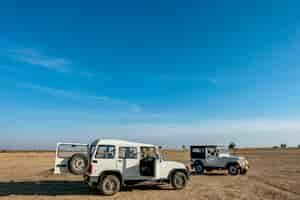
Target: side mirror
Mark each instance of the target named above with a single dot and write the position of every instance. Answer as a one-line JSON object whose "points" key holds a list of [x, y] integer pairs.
{"points": [[157, 157]]}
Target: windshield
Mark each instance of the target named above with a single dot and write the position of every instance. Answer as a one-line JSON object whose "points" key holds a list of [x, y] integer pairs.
{"points": [[66, 150], [222, 151], [149, 152], [92, 150], [161, 155]]}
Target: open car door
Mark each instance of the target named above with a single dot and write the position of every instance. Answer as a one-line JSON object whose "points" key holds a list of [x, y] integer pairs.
{"points": [[71, 157]]}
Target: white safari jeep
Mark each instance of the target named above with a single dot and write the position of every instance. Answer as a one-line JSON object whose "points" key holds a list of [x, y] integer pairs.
{"points": [[115, 163]]}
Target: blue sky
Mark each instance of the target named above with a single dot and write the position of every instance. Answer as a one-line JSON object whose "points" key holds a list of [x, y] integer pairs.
{"points": [[165, 72]]}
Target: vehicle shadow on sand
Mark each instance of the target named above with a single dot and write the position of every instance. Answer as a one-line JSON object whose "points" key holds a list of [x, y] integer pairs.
{"points": [[53, 188], [210, 174], [43, 188]]}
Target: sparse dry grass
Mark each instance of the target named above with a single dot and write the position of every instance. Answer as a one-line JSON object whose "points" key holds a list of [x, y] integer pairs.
{"points": [[274, 174]]}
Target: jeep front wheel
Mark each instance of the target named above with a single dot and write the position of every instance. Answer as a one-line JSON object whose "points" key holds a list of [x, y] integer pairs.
{"points": [[243, 172], [109, 185], [233, 170], [178, 180]]}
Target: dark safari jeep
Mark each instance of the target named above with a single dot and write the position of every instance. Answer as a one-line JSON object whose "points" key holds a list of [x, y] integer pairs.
{"points": [[213, 157]]}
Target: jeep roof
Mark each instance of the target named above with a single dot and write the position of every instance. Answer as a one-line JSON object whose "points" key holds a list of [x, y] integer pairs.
{"points": [[120, 143], [207, 146]]}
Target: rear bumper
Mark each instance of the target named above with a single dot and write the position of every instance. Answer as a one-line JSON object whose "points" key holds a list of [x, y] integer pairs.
{"points": [[86, 179]]}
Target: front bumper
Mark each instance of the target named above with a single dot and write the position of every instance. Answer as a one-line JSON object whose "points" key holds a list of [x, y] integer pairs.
{"points": [[245, 167]]}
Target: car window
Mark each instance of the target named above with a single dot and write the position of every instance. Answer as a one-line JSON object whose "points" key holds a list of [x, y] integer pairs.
{"points": [[67, 150], [128, 152], [211, 152], [105, 151], [198, 152], [148, 152]]}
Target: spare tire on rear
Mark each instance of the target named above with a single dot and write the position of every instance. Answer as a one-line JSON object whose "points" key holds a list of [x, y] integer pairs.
{"points": [[78, 164]]}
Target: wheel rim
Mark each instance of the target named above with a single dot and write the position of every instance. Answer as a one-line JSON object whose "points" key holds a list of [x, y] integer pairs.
{"points": [[110, 186], [233, 170], [179, 180], [199, 168], [79, 164]]}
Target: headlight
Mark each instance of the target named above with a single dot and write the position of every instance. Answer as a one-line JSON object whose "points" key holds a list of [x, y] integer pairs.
{"points": [[242, 162]]}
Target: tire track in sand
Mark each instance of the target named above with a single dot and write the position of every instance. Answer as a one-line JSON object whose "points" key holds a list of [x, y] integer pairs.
{"points": [[275, 187]]}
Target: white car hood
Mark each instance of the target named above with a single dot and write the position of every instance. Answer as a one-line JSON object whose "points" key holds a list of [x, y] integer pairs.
{"points": [[173, 164], [231, 156]]}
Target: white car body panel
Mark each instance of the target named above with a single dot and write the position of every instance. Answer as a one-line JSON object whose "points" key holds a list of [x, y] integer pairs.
{"points": [[61, 163], [165, 167]]}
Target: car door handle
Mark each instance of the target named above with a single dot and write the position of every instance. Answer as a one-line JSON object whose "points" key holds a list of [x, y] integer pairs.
{"points": [[61, 165]]}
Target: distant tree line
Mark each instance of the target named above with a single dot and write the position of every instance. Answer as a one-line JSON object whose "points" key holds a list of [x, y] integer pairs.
{"points": [[231, 146], [283, 146]]}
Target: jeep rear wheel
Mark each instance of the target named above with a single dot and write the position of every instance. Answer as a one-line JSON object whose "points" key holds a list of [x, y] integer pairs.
{"points": [[199, 168], [178, 180], [109, 185], [233, 170]]}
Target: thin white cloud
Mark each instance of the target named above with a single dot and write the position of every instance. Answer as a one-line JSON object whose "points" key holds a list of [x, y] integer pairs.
{"points": [[146, 128], [81, 97], [36, 58], [179, 78], [216, 127], [245, 132]]}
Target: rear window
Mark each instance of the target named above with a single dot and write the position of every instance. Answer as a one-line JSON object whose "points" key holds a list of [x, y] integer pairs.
{"points": [[105, 152], [198, 152], [67, 150]]}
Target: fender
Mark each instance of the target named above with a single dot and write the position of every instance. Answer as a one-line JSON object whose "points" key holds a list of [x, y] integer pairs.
{"points": [[197, 162], [178, 170], [111, 172], [232, 163]]}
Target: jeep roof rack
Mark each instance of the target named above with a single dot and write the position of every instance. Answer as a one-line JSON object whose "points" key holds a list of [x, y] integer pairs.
{"points": [[203, 146]]}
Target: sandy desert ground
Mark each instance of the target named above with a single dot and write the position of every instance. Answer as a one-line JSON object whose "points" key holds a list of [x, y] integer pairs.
{"points": [[274, 174]]}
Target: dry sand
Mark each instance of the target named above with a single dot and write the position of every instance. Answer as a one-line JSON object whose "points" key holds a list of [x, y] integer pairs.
{"points": [[274, 174]]}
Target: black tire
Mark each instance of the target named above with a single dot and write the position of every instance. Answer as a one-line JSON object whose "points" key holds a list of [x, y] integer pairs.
{"points": [[178, 180], [78, 164], [244, 172], [109, 185], [234, 170], [199, 168]]}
